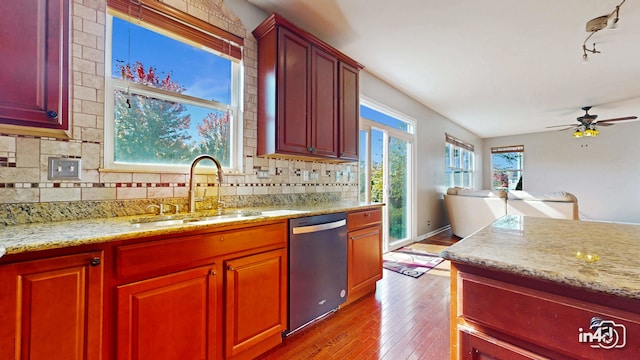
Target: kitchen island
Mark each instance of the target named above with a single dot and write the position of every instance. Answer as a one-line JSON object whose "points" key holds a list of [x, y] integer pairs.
{"points": [[536, 288]]}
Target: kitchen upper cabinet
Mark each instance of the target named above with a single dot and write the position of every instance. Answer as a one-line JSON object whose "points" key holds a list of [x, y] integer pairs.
{"points": [[324, 104], [169, 317], [308, 96], [52, 308], [349, 112], [35, 63], [255, 303]]}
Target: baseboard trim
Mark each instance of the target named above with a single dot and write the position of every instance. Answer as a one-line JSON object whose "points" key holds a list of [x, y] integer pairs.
{"points": [[433, 233]]}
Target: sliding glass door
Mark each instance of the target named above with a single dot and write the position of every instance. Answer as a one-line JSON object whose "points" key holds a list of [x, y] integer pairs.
{"points": [[385, 172]]}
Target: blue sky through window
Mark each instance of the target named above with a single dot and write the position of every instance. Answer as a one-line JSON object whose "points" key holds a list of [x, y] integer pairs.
{"points": [[202, 73]]}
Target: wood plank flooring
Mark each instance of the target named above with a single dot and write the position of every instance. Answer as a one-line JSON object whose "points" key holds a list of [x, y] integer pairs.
{"points": [[406, 318]]}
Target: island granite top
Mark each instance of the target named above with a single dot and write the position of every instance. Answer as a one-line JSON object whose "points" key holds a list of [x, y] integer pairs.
{"points": [[16, 239], [596, 256]]}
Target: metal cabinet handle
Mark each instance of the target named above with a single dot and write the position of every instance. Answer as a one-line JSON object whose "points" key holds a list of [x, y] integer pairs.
{"points": [[52, 114], [230, 268], [367, 214], [95, 261]]}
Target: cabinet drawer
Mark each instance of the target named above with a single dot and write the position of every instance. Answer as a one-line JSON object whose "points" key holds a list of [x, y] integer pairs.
{"points": [[550, 321], [182, 252], [360, 219]]}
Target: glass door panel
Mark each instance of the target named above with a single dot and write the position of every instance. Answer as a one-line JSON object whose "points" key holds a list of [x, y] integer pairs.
{"points": [[398, 199]]}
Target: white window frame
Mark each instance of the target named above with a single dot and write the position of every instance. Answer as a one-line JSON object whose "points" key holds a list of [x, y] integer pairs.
{"points": [[236, 109], [519, 166], [463, 148]]}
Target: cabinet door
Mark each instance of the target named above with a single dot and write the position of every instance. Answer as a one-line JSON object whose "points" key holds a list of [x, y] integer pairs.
{"points": [[52, 309], [169, 317], [365, 257], [255, 300], [293, 114], [35, 66], [478, 346], [324, 104], [349, 95]]}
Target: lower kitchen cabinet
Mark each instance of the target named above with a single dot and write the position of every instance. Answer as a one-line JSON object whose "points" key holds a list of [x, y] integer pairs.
{"points": [[52, 308], [478, 346], [206, 295], [364, 239], [255, 303], [497, 316], [169, 317]]}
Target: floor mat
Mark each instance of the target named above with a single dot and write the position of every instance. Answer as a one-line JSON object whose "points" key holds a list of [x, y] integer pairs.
{"points": [[410, 262]]}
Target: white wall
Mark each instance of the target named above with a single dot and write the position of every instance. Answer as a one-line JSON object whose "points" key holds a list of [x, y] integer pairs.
{"points": [[602, 172]]}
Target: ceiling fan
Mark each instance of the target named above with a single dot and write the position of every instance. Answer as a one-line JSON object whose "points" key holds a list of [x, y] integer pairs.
{"points": [[587, 124]]}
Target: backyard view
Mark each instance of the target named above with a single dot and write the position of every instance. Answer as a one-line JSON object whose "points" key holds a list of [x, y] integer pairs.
{"points": [[171, 100], [390, 152]]}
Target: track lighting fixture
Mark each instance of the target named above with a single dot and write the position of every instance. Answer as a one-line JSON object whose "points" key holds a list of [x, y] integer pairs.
{"points": [[596, 24]]}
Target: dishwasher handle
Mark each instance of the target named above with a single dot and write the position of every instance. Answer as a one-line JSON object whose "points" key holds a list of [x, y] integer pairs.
{"points": [[319, 227]]}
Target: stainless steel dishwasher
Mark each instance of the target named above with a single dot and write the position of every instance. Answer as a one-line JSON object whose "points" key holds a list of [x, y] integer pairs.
{"points": [[317, 267]]}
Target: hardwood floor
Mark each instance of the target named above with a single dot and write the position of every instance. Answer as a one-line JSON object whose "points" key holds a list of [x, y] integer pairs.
{"points": [[406, 318]]}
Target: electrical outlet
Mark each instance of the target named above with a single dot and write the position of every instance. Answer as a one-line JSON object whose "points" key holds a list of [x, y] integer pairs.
{"points": [[305, 175], [314, 176], [64, 169], [263, 174]]}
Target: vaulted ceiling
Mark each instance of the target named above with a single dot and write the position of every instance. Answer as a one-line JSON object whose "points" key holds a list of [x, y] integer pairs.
{"points": [[495, 67]]}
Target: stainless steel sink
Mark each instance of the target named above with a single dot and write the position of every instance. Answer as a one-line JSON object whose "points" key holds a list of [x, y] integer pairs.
{"points": [[156, 223], [193, 218], [208, 218]]}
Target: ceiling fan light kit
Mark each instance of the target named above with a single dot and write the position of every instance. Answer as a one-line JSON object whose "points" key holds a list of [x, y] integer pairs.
{"points": [[587, 124], [596, 24]]}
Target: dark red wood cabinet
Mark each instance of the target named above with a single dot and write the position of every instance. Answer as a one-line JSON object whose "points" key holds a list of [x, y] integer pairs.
{"points": [[52, 308], [364, 252], [495, 315], [34, 62], [308, 100]]}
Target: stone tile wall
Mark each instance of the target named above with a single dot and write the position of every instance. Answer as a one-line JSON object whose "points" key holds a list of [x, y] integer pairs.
{"points": [[23, 159]]}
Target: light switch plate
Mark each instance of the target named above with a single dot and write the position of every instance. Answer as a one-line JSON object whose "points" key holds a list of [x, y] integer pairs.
{"points": [[64, 169], [262, 174]]}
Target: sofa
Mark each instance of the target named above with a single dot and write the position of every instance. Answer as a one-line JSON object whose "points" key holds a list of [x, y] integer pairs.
{"points": [[471, 210]]}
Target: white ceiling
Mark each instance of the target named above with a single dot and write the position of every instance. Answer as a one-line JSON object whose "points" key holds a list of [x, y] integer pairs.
{"points": [[495, 67]]}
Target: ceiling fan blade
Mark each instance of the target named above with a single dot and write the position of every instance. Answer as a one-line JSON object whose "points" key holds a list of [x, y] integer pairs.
{"points": [[617, 119], [571, 125]]}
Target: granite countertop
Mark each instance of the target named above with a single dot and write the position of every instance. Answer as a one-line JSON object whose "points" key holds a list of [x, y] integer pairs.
{"points": [[16, 239], [596, 256]]}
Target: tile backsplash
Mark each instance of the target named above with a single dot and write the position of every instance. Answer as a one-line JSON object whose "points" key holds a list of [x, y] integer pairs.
{"points": [[25, 188]]}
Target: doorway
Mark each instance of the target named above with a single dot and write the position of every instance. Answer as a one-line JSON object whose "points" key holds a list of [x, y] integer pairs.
{"points": [[386, 144]]}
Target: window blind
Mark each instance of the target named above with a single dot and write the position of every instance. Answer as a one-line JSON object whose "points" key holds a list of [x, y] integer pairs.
{"points": [[507, 149], [168, 18], [457, 142]]}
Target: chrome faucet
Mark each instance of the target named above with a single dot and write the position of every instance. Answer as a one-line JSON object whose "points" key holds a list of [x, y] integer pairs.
{"points": [[192, 190]]}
